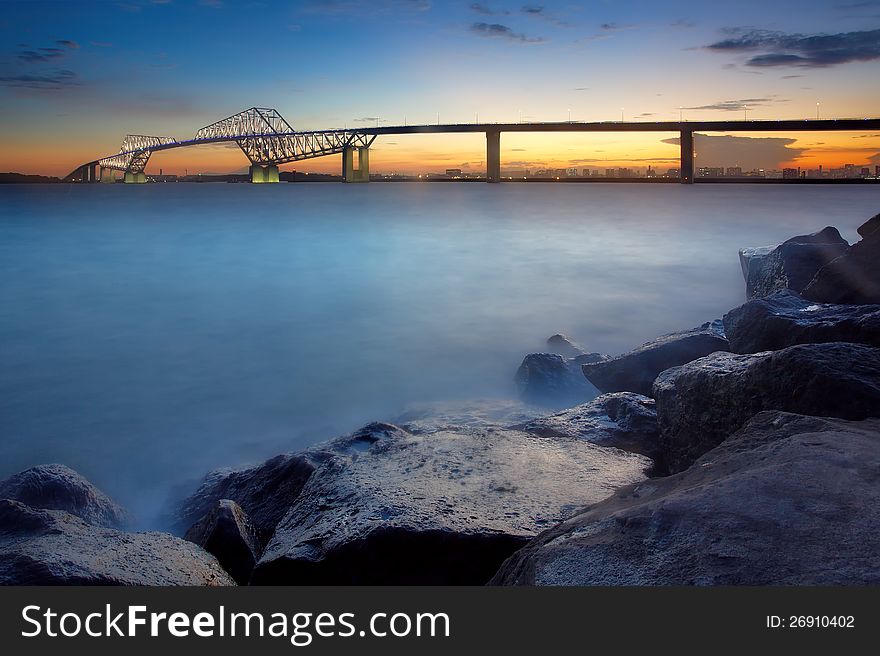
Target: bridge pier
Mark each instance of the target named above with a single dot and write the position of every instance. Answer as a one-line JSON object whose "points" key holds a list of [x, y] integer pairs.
{"points": [[362, 172], [108, 175], [493, 156], [135, 178], [687, 156], [261, 174]]}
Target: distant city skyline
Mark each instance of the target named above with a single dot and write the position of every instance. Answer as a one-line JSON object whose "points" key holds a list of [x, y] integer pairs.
{"points": [[76, 78]]}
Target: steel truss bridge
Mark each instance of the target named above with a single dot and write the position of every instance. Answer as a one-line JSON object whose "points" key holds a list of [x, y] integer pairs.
{"points": [[268, 140]]}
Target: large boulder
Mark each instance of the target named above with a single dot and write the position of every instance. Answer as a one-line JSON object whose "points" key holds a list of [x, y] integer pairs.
{"points": [[623, 420], [784, 319], [699, 404], [54, 547], [853, 277], [56, 487], [227, 533], [788, 500], [635, 371], [564, 346], [265, 492], [792, 264], [442, 508], [551, 380], [465, 415]]}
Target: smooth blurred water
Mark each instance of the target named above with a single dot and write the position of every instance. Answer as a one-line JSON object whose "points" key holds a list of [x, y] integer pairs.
{"points": [[149, 333]]}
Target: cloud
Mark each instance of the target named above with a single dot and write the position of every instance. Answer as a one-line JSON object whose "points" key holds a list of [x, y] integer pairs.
{"points": [[52, 81], [737, 105], [803, 50], [67, 43], [488, 11], [366, 119], [790, 77], [40, 55], [496, 30], [582, 88], [747, 152], [532, 9], [101, 44], [682, 22]]}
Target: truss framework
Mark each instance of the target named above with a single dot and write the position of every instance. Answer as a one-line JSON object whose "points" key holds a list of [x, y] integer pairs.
{"points": [[262, 133]]}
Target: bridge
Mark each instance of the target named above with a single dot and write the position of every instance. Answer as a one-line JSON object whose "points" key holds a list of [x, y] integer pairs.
{"points": [[268, 140]]}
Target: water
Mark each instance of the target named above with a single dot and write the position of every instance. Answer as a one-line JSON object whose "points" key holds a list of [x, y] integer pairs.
{"points": [[150, 333]]}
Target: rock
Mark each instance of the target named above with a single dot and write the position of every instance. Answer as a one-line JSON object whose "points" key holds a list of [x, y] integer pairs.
{"points": [[699, 404], [854, 277], [562, 345], [784, 319], [265, 492], [54, 547], [623, 420], [870, 228], [549, 379], [788, 500], [228, 534], [56, 487], [792, 264], [465, 415], [635, 371], [440, 508]]}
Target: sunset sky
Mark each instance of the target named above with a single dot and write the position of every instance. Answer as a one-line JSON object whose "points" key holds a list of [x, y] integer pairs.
{"points": [[76, 77]]}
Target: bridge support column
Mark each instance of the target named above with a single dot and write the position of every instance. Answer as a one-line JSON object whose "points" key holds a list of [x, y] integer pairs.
{"points": [[261, 174], [493, 157], [108, 175], [687, 156], [362, 172], [135, 178]]}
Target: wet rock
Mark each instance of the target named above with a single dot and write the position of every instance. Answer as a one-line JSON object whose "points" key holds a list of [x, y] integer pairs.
{"points": [[465, 415], [788, 500], [699, 404], [854, 277], [227, 533], [549, 379], [56, 487], [564, 346], [623, 420], [784, 319], [792, 264], [440, 508], [265, 492], [635, 371], [54, 547]]}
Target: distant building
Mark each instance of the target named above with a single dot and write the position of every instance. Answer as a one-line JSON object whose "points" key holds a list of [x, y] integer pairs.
{"points": [[625, 173], [571, 173], [866, 172], [673, 173], [453, 173], [788, 174], [877, 171], [734, 172], [710, 172], [650, 173]]}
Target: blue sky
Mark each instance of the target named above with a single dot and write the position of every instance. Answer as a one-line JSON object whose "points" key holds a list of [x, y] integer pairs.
{"points": [[75, 77]]}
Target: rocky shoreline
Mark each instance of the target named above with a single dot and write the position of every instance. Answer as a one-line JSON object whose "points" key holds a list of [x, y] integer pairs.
{"points": [[742, 451]]}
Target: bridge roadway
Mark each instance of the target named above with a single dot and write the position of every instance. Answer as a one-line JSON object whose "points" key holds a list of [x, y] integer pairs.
{"points": [[345, 141]]}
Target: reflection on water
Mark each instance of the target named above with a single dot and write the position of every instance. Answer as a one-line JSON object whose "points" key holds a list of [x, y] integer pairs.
{"points": [[149, 333]]}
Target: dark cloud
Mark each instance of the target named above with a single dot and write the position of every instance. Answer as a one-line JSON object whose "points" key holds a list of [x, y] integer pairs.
{"points": [[747, 152], [737, 105], [366, 119], [582, 88], [811, 51], [532, 9], [790, 77], [496, 30], [488, 11], [52, 81], [67, 43], [40, 55], [609, 26]]}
